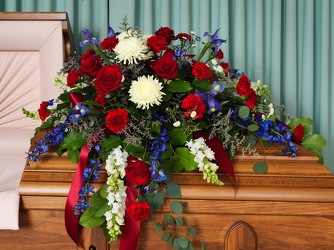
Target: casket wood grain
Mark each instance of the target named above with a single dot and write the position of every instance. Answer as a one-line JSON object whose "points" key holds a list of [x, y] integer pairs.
{"points": [[289, 207]]}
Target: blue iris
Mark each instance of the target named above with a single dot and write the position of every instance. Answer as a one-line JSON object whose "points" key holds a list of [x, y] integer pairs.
{"points": [[78, 111], [89, 38], [215, 41]]}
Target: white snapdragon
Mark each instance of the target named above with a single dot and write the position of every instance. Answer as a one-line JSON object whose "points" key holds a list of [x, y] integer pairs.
{"points": [[116, 191], [203, 156]]}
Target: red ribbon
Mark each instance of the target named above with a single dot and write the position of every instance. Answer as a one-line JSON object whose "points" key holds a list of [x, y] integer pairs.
{"points": [[130, 229], [71, 221], [222, 158], [76, 98]]}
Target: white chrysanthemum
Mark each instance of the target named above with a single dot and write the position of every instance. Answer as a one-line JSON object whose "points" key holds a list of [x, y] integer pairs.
{"points": [[130, 49], [146, 92]]}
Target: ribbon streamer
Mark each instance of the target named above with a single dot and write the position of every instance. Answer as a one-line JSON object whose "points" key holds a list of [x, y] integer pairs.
{"points": [[130, 229], [71, 221]]}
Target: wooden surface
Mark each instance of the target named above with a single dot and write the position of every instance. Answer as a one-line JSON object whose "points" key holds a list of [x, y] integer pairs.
{"points": [[290, 207]]}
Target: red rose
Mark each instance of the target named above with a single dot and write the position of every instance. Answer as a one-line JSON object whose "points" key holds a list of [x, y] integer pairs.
{"points": [[157, 43], [251, 99], [165, 67], [184, 36], [243, 86], [109, 43], [72, 78], [298, 133], [91, 66], [201, 70], [194, 106], [166, 32], [137, 172], [87, 54], [116, 120], [220, 54], [108, 79], [42, 111], [138, 211]]}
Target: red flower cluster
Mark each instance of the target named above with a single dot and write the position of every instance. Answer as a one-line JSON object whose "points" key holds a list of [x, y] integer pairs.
{"points": [[108, 79], [244, 89], [194, 106], [116, 120], [137, 172], [184, 36], [157, 43], [109, 43], [166, 32], [165, 67], [298, 133], [72, 78], [42, 111], [138, 211], [90, 63], [201, 70]]}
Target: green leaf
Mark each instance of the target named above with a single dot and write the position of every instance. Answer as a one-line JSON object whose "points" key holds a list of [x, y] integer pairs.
{"points": [[137, 151], [191, 247], [244, 112], [177, 136], [181, 242], [90, 221], [158, 199], [203, 246], [169, 220], [165, 236], [253, 127], [305, 121], [103, 191], [168, 175], [173, 190], [202, 85], [179, 86], [185, 159], [98, 205], [73, 140], [158, 226], [179, 221], [73, 155], [177, 207], [314, 142], [192, 231], [170, 241], [172, 164], [260, 167], [250, 140], [111, 142]]}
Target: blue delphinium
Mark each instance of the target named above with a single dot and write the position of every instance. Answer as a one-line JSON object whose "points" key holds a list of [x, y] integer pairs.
{"points": [[55, 137], [89, 175]]}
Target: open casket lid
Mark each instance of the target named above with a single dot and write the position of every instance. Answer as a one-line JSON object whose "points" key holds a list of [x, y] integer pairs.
{"points": [[33, 47]]}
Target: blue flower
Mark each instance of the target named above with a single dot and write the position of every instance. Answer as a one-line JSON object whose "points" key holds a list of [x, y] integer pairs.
{"points": [[78, 111], [89, 38], [215, 41]]}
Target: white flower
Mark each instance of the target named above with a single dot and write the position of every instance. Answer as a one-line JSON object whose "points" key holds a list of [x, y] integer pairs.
{"points": [[131, 48], [177, 124], [271, 109], [146, 92]]}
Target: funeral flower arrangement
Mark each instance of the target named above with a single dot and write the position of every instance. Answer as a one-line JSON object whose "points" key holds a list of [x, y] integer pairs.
{"points": [[144, 106]]}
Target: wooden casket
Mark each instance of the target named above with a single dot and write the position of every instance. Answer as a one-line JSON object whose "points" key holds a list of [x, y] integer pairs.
{"points": [[289, 207]]}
